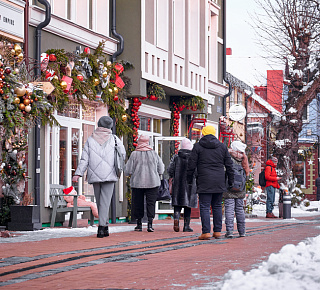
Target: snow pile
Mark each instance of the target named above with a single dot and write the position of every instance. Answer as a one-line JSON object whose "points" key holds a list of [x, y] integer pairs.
{"points": [[294, 267]]}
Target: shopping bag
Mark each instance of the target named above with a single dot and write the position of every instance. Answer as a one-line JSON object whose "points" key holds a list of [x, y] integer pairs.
{"points": [[164, 193]]}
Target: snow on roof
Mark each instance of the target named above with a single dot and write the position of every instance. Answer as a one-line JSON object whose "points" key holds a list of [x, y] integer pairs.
{"points": [[265, 104]]}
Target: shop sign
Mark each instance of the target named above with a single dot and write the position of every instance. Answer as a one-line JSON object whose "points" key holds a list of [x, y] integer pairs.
{"points": [[11, 20], [237, 112]]}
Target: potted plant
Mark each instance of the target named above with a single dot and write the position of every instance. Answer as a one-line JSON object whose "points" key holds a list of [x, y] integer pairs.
{"points": [[156, 92]]}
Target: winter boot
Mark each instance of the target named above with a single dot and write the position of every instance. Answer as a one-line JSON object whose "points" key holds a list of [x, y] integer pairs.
{"points": [[186, 226], [106, 231], [138, 228], [176, 217], [206, 236], [217, 235], [229, 235], [100, 233], [150, 228]]}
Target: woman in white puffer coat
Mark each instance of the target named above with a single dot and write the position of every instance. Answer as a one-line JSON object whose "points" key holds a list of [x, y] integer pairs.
{"points": [[98, 159]]}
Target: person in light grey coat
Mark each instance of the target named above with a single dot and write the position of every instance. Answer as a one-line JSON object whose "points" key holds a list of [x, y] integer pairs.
{"points": [[98, 159], [144, 168]]}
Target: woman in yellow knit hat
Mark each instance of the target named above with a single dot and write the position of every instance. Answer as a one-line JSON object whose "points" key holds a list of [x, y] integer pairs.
{"points": [[212, 160]]}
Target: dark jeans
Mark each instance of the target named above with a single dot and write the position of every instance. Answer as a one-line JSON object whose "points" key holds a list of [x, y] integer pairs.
{"points": [[138, 202], [186, 213], [215, 200]]}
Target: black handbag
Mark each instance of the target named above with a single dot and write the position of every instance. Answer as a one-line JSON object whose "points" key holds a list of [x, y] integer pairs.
{"points": [[164, 192]]}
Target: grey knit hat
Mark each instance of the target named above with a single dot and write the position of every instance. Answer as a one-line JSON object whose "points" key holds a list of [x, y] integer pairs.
{"points": [[105, 122]]}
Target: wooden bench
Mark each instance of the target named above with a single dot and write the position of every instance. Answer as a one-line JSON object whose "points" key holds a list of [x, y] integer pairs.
{"points": [[59, 204]]}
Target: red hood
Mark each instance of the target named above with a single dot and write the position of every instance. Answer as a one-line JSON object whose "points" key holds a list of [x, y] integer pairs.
{"points": [[269, 162]]}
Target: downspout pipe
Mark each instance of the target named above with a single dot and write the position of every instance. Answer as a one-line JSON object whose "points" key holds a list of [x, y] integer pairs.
{"points": [[115, 33], [37, 126], [224, 109], [113, 59]]}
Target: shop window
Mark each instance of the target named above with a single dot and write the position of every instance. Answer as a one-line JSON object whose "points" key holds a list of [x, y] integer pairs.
{"points": [[299, 172], [72, 111], [88, 113], [145, 123], [157, 126]]}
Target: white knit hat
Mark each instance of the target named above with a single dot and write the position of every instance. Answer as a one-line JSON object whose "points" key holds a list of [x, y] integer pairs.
{"points": [[238, 146]]}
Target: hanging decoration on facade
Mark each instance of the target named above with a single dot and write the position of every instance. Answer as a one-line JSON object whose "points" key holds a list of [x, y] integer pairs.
{"points": [[177, 105], [307, 153], [87, 75], [176, 122], [21, 102], [65, 78], [155, 92], [135, 120]]}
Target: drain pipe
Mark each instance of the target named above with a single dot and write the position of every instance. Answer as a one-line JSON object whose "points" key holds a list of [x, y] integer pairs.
{"points": [[115, 33], [113, 59], [37, 127], [224, 109]]}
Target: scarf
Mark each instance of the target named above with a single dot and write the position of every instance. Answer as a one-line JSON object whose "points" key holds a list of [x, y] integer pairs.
{"points": [[143, 144], [101, 135]]}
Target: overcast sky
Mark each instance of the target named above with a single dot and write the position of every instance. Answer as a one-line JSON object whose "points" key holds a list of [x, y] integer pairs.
{"points": [[246, 62]]}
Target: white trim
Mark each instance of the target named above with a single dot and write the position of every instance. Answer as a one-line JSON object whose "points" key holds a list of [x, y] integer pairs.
{"points": [[18, 2], [71, 31], [151, 111], [257, 115]]}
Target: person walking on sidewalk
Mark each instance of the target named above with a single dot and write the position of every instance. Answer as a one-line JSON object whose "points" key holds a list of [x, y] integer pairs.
{"points": [[318, 187], [98, 158], [144, 168], [212, 160], [183, 195], [233, 201], [271, 184]]}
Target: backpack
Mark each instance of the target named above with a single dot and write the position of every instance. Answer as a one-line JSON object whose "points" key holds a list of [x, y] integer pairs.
{"points": [[262, 177], [239, 183]]}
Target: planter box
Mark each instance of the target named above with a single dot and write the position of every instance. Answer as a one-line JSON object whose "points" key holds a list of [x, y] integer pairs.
{"points": [[24, 218]]}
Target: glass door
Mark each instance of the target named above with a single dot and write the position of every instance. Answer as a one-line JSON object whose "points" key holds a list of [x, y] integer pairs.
{"points": [[165, 147]]}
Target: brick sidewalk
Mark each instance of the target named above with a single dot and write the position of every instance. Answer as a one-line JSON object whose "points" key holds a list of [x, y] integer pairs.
{"points": [[141, 260]]}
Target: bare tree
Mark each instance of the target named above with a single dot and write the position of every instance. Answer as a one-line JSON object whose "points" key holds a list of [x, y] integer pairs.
{"points": [[290, 31]]}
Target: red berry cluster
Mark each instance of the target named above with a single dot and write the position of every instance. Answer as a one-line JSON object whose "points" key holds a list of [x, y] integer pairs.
{"points": [[176, 118], [135, 119]]}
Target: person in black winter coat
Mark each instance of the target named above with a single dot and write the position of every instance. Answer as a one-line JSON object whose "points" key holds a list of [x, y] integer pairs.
{"points": [[318, 187], [183, 196], [213, 162]]}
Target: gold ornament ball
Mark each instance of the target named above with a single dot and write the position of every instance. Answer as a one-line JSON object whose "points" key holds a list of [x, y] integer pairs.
{"points": [[16, 70], [63, 85], [12, 52], [55, 78], [27, 108], [124, 118], [105, 74], [16, 101], [116, 90], [20, 91], [20, 57], [26, 102], [96, 82], [109, 63], [110, 90], [22, 106], [17, 48]]}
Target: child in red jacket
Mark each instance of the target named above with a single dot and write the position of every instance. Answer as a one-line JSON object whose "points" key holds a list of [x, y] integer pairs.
{"points": [[271, 185]]}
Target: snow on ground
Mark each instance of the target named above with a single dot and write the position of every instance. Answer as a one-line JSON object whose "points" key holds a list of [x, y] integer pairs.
{"points": [[293, 268]]}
